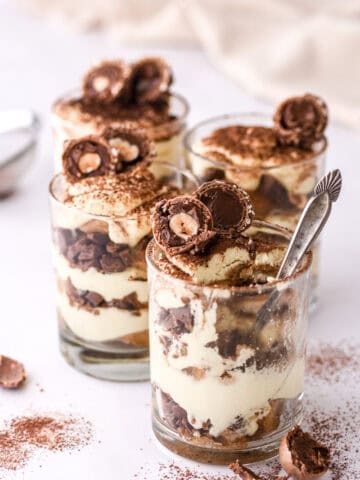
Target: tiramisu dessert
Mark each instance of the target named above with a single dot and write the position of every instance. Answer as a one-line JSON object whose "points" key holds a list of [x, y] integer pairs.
{"points": [[114, 92], [277, 161], [101, 209], [224, 385]]}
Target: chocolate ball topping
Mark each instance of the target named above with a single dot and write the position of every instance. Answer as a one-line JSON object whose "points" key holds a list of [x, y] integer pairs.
{"points": [[301, 121], [105, 82], [87, 157], [182, 224], [129, 146], [149, 79], [302, 457], [230, 206]]}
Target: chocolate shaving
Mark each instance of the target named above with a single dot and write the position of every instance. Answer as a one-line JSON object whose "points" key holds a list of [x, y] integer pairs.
{"points": [[301, 121], [12, 373], [105, 82], [129, 146], [229, 204], [243, 472], [149, 79], [182, 224], [87, 157]]}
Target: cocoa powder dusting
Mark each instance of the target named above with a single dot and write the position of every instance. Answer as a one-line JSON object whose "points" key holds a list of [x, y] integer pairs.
{"points": [[23, 436]]}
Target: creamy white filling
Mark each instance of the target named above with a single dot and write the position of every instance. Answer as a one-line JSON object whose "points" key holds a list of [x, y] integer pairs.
{"points": [[209, 397], [107, 324], [110, 285]]}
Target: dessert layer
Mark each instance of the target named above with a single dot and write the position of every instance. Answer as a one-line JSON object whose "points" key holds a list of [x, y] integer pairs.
{"points": [[109, 285], [103, 325]]}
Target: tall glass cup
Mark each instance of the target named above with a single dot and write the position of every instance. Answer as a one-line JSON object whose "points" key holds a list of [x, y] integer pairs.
{"points": [[225, 387], [102, 291], [279, 192]]}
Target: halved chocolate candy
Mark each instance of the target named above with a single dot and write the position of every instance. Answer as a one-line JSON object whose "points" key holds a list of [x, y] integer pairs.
{"points": [[129, 146], [243, 472], [87, 157], [149, 78], [229, 204], [12, 373], [300, 121], [105, 82], [182, 224]]}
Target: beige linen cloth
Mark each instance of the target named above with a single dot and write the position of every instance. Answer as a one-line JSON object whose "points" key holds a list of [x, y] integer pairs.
{"points": [[273, 48]]}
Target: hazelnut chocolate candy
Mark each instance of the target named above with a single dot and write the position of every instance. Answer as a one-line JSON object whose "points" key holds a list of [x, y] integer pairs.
{"points": [[12, 373], [302, 457], [229, 204], [300, 121], [105, 82], [182, 224], [87, 157], [129, 146], [149, 78], [243, 472]]}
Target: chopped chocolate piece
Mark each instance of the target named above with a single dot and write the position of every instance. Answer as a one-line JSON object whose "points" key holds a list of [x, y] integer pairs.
{"points": [[95, 299], [129, 302], [111, 263], [98, 238], [105, 82], [12, 373], [174, 415], [87, 157], [182, 224], [243, 472], [129, 145], [301, 121], [149, 79], [229, 204], [176, 320], [303, 457], [275, 192]]}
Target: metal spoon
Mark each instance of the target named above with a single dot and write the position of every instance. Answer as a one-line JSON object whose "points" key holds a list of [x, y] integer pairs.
{"points": [[312, 221]]}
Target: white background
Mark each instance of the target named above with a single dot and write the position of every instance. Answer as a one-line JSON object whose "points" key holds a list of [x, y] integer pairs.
{"points": [[38, 62]]}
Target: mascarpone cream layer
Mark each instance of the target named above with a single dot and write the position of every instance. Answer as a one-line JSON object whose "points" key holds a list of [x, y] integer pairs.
{"points": [[107, 324], [110, 285]]}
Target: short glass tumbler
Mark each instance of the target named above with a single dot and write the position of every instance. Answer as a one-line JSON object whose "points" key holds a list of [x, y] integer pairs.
{"points": [[102, 291], [225, 387], [167, 136], [279, 192]]}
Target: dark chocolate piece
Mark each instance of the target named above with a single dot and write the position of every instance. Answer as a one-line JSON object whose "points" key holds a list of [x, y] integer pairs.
{"points": [[301, 121], [105, 82], [87, 157], [176, 320], [12, 373], [243, 472], [182, 224], [302, 456], [275, 193], [149, 79], [229, 204], [129, 146]]}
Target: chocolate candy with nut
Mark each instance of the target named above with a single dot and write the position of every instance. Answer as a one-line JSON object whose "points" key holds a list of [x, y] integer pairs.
{"points": [[230, 207], [301, 121], [129, 146], [12, 373], [87, 157], [149, 79], [182, 224], [105, 82]]}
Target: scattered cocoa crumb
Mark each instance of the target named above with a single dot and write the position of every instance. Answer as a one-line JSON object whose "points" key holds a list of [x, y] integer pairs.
{"points": [[23, 436], [12, 373]]}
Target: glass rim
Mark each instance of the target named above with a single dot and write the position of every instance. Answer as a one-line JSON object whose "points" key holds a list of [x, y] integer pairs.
{"points": [[184, 172], [76, 93], [253, 290], [228, 116]]}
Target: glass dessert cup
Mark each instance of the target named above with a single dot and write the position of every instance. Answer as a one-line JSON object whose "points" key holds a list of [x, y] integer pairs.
{"points": [[102, 291], [278, 192], [223, 387], [68, 123]]}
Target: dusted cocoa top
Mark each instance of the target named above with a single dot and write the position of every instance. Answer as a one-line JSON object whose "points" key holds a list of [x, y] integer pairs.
{"points": [[115, 91], [299, 123]]}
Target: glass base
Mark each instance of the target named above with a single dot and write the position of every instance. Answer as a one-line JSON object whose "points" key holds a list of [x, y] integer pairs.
{"points": [[105, 365], [256, 451]]}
